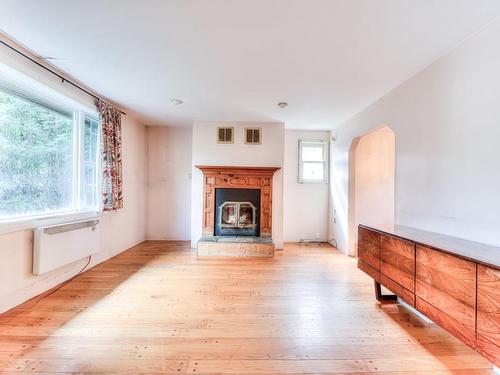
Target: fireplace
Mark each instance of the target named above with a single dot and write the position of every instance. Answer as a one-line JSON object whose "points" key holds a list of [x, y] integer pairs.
{"points": [[237, 209], [237, 212]]}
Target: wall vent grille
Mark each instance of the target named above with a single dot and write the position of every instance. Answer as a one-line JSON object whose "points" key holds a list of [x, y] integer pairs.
{"points": [[70, 227], [225, 135], [252, 136]]}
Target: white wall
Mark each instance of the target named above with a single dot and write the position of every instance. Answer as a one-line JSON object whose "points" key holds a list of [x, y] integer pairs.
{"points": [[305, 205], [169, 183], [206, 151], [119, 231], [447, 125]]}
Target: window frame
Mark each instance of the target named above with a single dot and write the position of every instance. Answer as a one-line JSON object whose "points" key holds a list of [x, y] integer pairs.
{"points": [[77, 211], [82, 115], [325, 162]]}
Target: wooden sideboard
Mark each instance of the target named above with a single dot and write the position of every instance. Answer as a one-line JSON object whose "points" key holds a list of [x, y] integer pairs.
{"points": [[454, 282]]}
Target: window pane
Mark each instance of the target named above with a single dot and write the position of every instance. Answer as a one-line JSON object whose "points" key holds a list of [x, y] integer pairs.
{"points": [[36, 158], [312, 153], [89, 167], [313, 171]]}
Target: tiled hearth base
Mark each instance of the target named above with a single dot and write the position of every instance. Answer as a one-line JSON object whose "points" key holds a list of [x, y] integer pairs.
{"points": [[248, 247]]}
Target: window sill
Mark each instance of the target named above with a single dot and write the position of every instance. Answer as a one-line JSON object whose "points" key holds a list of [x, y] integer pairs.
{"points": [[29, 223]]}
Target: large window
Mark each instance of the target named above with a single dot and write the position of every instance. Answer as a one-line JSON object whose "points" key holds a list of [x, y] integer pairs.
{"points": [[48, 158], [313, 161]]}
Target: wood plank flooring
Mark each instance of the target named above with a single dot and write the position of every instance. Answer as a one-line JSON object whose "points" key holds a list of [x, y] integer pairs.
{"points": [[157, 309]]}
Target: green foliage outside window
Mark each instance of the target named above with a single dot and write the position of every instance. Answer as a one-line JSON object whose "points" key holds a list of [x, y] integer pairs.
{"points": [[36, 158]]}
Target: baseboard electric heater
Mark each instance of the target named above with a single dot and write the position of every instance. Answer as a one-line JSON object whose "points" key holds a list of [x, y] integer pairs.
{"points": [[58, 245]]}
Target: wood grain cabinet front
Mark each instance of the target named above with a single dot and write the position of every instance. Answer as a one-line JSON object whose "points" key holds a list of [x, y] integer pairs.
{"points": [[446, 291], [397, 261], [449, 285], [369, 270], [369, 247], [488, 313]]}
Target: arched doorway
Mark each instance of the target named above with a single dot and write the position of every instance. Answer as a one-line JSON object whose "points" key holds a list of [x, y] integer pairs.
{"points": [[371, 182]]}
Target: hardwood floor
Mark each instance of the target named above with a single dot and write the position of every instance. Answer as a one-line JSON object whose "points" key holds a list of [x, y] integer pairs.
{"points": [[157, 309]]}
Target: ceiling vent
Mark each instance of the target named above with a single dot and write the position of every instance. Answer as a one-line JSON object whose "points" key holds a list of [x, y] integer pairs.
{"points": [[252, 136], [225, 135]]}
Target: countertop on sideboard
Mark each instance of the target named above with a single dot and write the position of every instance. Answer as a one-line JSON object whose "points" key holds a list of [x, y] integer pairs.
{"points": [[481, 253]]}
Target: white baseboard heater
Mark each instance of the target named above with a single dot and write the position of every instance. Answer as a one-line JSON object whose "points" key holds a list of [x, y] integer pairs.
{"points": [[58, 245]]}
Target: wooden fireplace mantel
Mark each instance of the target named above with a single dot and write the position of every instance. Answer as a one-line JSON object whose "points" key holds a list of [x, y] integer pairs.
{"points": [[237, 177], [237, 170]]}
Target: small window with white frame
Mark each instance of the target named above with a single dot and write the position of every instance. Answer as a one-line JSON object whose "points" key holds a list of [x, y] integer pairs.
{"points": [[313, 161]]}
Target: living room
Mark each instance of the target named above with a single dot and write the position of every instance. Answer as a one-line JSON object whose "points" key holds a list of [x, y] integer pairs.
{"points": [[260, 187]]}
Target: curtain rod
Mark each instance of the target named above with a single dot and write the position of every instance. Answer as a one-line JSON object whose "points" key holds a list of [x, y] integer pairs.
{"points": [[63, 79]]}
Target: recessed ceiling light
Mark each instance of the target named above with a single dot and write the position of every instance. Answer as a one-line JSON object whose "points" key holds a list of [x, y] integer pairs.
{"points": [[176, 101], [282, 105]]}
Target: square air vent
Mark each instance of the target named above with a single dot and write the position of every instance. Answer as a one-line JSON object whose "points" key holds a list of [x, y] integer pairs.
{"points": [[252, 136], [225, 135]]}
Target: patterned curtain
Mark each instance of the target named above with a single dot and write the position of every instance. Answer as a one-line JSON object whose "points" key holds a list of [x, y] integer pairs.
{"points": [[111, 146]]}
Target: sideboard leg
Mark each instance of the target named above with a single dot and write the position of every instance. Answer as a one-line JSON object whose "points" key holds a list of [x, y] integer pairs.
{"points": [[383, 297]]}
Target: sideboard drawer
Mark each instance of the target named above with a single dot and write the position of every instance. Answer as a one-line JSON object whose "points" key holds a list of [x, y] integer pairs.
{"points": [[368, 235], [369, 253], [369, 270], [457, 329], [488, 312], [488, 350], [448, 283], [398, 290], [397, 261], [369, 247]]}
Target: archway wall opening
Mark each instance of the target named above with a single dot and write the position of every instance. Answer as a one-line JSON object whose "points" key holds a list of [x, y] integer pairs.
{"points": [[371, 182], [446, 123], [362, 184]]}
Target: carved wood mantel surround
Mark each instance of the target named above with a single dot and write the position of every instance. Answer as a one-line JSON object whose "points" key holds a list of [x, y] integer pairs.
{"points": [[237, 178]]}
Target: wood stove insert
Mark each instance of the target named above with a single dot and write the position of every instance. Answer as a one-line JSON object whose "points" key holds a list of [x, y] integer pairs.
{"points": [[238, 178], [237, 212]]}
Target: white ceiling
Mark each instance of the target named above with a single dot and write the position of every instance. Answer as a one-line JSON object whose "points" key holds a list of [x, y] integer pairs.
{"points": [[233, 60]]}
